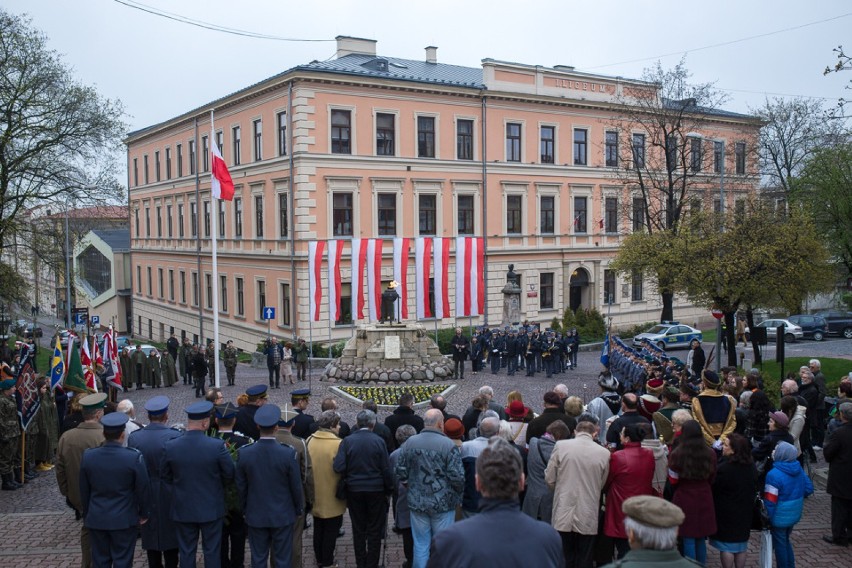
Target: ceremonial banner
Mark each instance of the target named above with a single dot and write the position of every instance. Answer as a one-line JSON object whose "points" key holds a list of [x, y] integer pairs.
{"points": [[335, 249], [442, 292], [401, 247], [374, 278], [315, 250], [470, 268], [88, 365], [26, 392], [75, 378], [605, 352], [112, 369], [359, 262], [422, 262], [57, 365]]}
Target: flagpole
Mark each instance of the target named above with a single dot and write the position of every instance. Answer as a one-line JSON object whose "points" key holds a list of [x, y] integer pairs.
{"points": [[214, 213], [23, 451]]}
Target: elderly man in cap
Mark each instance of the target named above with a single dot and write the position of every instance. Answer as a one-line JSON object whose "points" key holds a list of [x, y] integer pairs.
{"points": [[69, 455], [114, 495], [159, 537], [197, 467], [245, 424], [651, 524], [270, 489], [10, 433], [299, 399], [285, 436], [234, 529], [714, 411]]}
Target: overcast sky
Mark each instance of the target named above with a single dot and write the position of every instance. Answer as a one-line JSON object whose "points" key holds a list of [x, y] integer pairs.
{"points": [[160, 68]]}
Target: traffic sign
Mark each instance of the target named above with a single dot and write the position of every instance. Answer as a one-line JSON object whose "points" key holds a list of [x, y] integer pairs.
{"points": [[717, 313], [80, 319], [268, 312], [96, 320]]}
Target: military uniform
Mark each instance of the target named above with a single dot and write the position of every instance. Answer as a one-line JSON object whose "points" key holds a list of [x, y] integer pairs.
{"points": [[139, 367], [10, 435], [167, 363], [155, 376], [210, 357], [230, 356], [307, 474], [301, 352], [184, 353]]}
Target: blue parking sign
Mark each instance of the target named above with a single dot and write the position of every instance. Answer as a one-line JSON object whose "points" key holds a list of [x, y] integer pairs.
{"points": [[96, 320], [268, 312]]}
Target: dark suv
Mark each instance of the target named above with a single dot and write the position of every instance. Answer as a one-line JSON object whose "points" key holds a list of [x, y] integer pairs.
{"points": [[839, 323], [813, 327]]}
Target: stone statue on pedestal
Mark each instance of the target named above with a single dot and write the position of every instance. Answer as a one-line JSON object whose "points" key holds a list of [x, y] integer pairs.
{"points": [[512, 297]]}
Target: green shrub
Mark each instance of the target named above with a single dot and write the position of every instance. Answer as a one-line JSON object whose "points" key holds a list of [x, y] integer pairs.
{"points": [[635, 330], [590, 324]]}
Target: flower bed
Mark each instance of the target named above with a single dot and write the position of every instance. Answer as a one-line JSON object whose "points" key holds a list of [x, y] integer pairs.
{"points": [[388, 396]]}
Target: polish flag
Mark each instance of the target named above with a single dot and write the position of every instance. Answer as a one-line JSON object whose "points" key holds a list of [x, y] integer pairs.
{"points": [[359, 262], [470, 268], [112, 368], [374, 278], [221, 184], [315, 250], [88, 367], [335, 249], [442, 262], [401, 247], [422, 262]]}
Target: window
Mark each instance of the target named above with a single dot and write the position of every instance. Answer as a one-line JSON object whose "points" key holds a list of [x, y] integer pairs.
{"points": [[150, 281], [261, 298], [671, 152], [168, 163], [135, 171], [159, 222], [739, 154], [241, 306], [581, 139], [285, 303], [580, 214], [739, 210], [171, 285], [464, 139], [513, 142], [258, 216], [205, 154], [386, 213], [638, 151], [548, 138], [139, 279], [465, 214], [182, 287], [236, 142], [425, 136], [345, 305], [193, 219], [179, 153], [220, 141], [385, 135], [257, 130], [547, 205], [238, 217], [282, 215], [717, 206], [148, 222], [221, 206], [695, 154], [169, 222], [145, 167], [636, 291], [157, 166], [638, 214], [95, 269], [341, 216], [180, 220], [206, 218], [718, 156], [611, 215], [208, 285], [609, 287], [136, 214], [223, 292], [282, 133], [341, 132], [160, 287], [427, 212], [611, 149], [193, 161], [513, 214], [546, 287]]}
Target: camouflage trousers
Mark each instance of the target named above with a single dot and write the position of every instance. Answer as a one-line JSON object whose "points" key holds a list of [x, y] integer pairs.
{"points": [[10, 448]]}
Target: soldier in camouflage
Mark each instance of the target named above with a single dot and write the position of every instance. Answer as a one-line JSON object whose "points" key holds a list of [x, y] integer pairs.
{"points": [[230, 357], [10, 434], [210, 357]]}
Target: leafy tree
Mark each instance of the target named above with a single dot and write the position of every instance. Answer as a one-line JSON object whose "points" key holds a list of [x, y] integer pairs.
{"points": [[13, 287], [59, 139]]}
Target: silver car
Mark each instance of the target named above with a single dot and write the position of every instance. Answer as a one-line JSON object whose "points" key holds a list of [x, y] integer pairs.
{"points": [[792, 332]]}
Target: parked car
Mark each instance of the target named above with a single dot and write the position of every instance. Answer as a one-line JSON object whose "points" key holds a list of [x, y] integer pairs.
{"points": [[792, 332], [31, 331], [64, 334], [839, 323], [813, 327], [122, 341], [18, 326], [668, 335]]}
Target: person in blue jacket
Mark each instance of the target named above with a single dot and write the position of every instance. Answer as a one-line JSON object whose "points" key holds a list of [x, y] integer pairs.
{"points": [[784, 495]]}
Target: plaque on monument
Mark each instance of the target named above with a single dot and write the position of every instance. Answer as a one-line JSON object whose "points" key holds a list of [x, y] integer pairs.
{"points": [[392, 347]]}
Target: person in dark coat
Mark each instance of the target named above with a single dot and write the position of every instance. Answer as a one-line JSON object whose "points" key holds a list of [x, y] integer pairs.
{"points": [[838, 453], [403, 414], [762, 453], [696, 358], [461, 348], [552, 411], [234, 531], [197, 467], [159, 537], [733, 492], [172, 346], [245, 423], [198, 370], [114, 495], [629, 415], [270, 488], [300, 399], [499, 477]]}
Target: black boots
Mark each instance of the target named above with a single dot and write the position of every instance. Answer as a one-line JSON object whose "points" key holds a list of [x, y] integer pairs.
{"points": [[9, 483]]}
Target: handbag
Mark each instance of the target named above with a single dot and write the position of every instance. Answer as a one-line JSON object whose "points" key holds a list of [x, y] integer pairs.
{"points": [[759, 515], [340, 490]]}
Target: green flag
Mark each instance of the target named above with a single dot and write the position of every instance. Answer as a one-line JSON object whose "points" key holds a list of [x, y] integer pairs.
{"points": [[75, 380]]}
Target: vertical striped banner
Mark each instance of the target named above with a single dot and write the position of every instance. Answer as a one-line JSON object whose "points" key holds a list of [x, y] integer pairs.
{"points": [[401, 248], [335, 249], [374, 277], [315, 253], [359, 263], [422, 262], [442, 261]]}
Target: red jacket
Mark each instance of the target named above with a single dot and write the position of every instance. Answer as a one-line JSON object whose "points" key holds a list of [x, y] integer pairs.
{"points": [[631, 472]]}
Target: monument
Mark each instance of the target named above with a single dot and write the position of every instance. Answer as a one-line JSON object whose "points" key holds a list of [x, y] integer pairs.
{"points": [[512, 298]]}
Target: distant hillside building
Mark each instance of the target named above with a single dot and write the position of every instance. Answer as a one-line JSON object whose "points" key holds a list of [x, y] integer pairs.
{"points": [[103, 277]]}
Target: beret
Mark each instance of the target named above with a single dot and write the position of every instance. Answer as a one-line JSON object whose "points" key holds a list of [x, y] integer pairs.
{"points": [[454, 429], [653, 511], [780, 419]]}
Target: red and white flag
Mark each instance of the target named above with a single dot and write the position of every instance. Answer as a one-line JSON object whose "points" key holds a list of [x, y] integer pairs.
{"points": [[221, 184], [112, 368], [315, 250], [442, 263], [401, 247], [470, 267], [359, 263], [88, 367], [335, 249], [374, 277], [422, 263]]}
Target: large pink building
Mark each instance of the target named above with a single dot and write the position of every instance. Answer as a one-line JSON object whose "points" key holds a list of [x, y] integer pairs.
{"points": [[365, 146]]}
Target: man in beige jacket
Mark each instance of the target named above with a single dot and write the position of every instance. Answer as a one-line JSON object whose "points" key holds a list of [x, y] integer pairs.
{"points": [[576, 473]]}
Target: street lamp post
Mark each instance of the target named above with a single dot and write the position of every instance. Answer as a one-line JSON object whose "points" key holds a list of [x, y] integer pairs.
{"points": [[67, 272]]}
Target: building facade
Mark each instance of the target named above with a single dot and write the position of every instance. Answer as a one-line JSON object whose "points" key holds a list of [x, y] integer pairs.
{"points": [[530, 158], [103, 277]]}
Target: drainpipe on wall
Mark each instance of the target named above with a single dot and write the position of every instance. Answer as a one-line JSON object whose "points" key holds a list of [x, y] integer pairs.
{"points": [[198, 213], [484, 208], [294, 310]]}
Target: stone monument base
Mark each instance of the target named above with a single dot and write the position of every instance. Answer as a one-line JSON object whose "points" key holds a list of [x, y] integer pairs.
{"points": [[389, 353]]}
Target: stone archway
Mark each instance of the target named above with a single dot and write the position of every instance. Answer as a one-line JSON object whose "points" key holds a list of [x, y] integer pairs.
{"points": [[578, 289]]}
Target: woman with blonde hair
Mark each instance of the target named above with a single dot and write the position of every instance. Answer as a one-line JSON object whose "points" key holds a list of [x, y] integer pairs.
{"points": [[328, 510]]}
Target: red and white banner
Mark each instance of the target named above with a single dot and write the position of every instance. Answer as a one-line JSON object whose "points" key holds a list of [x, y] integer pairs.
{"points": [[88, 366], [221, 184], [359, 263], [401, 247], [442, 264], [422, 262], [335, 249], [374, 277], [112, 368], [470, 268], [315, 253]]}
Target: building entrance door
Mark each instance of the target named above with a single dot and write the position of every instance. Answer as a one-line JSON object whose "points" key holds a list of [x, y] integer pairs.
{"points": [[579, 289]]}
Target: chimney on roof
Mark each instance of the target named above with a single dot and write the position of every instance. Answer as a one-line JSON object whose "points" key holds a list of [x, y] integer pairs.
{"points": [[431, 54], [347, 45]]}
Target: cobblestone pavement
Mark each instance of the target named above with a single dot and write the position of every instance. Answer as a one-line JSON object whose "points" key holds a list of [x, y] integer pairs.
{"points": [[41, 531]]}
